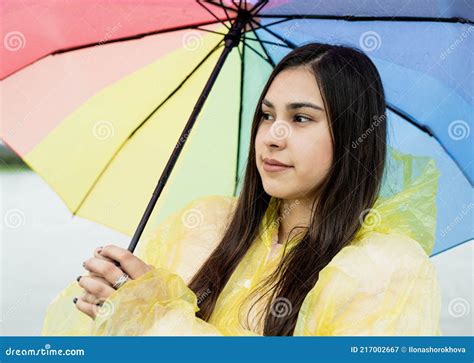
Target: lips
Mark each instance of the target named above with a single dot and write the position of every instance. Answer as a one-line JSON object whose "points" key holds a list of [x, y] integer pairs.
{"points": [[274, 162], [272, 165]]}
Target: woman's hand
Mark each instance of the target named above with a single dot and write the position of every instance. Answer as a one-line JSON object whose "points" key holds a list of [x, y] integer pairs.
{"points": [[103, 274]]}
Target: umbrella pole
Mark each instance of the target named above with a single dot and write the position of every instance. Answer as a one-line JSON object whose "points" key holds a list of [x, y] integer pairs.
{"points": [[231, 39]]}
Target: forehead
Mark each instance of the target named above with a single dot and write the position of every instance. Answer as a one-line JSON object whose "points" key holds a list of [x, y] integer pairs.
{"points": [[294, 85]]}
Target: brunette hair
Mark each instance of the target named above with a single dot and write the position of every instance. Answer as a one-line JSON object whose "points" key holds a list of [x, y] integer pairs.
{"points": [[354, 101]]}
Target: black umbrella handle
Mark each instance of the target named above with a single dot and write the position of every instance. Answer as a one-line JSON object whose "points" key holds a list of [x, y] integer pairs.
{"points": [[231, 40]]}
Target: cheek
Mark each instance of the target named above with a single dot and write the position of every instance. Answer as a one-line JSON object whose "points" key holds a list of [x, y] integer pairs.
{"points": [[259, 141], [315, 158]]}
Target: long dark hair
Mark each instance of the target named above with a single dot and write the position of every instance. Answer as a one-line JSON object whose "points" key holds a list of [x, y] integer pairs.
{"points": [[355, 104]]}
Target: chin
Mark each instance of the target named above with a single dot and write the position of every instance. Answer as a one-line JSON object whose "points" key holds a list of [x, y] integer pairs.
{"points": [[276, 192]]}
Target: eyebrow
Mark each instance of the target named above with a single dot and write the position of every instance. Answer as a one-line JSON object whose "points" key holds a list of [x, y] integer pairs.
{"points": [[295, 105]]}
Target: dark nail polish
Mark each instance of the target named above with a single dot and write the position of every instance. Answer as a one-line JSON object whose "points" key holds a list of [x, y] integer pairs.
{"points": [[83, 264], [78, 278], [116, 263], [74, 300]]}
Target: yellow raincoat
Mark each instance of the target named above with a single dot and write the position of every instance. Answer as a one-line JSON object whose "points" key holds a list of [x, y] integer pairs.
{"points": [[383, 283]]}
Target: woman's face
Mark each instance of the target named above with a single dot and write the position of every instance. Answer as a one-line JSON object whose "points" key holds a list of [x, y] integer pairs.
{"points": [[294, 130]]}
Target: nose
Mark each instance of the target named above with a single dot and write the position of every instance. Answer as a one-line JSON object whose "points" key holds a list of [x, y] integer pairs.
{"points": [[277, 134]]}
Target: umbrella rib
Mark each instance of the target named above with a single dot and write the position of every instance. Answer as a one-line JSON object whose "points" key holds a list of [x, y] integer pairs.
{"points": [[240, 54], [450, 247], [123, 39], [223, 7], [267, 42], [263, 47], [410, 119], [369, 18], [258, 7], [133, 37], [220, 5], [271, 24], [287, 42], [238, 6], [209, 31], [427, 130], [242, 70], [259, 54], [404, 116], [143, 123], [214, 15]]}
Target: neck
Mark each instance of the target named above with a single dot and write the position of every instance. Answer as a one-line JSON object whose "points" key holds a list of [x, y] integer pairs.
{"points": [[292, 213]]}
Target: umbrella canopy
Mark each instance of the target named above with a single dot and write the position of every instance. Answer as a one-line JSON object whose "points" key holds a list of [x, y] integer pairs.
{"points": [[127, 78]]}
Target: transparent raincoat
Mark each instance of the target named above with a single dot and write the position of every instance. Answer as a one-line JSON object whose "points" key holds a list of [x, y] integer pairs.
{"points": [[383, 283]]}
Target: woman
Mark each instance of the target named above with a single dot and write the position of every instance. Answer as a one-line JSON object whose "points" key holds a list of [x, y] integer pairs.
{"points": [[312, 246]]}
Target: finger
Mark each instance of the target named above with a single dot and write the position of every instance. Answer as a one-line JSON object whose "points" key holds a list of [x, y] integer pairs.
{"points": [[95, 287], [98, 255], [97, 277], [91, 299], [85, 307], [103, 269], [129, 263]]}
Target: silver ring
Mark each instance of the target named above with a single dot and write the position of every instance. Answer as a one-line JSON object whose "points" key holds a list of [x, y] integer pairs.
{"points": [[120, 281]]}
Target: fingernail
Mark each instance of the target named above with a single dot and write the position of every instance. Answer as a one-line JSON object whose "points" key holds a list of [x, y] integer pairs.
{"points": [[116, 263], [83, 264], [78, 278], [74, 300]]}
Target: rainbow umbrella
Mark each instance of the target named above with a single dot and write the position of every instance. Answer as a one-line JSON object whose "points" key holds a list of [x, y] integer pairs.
{"points": [[103, 101]]}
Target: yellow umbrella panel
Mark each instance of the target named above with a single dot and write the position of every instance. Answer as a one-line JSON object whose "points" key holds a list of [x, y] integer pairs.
{"points": [[105, 158]]}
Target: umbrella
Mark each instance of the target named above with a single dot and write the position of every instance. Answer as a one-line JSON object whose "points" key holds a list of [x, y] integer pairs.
{"points": [[125, 75]]}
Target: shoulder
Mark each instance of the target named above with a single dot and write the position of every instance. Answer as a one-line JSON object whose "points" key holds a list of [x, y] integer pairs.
{"points": [[382, 284], [376, 264], [380, 252]]}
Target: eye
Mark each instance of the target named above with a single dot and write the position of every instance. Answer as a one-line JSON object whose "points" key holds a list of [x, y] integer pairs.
{"points": [[266, 116], [302, 119]]}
